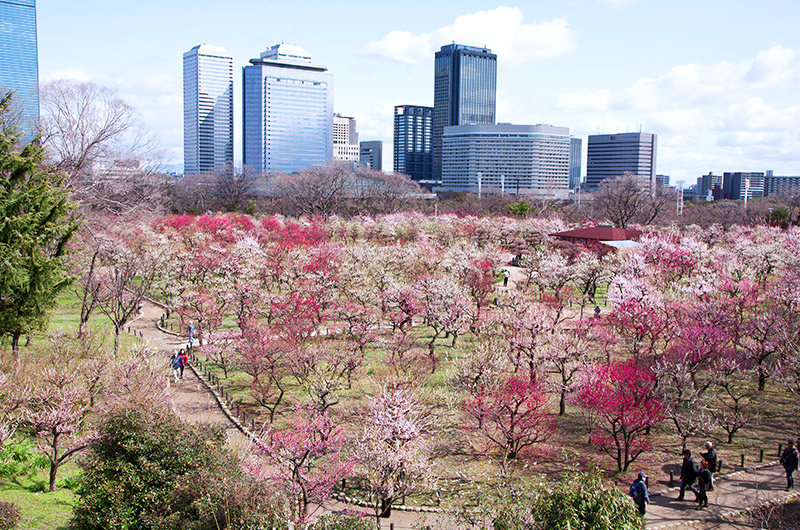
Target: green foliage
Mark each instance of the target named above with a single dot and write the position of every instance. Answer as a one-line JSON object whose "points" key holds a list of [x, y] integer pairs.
{"points": [[343, 522], [35, 227], [150, 470], [17, 459], [520, 208], [9, 515], [583, 501]]}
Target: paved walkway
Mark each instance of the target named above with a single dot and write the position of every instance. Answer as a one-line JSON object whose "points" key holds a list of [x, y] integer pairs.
{"points": [[732, 496]]}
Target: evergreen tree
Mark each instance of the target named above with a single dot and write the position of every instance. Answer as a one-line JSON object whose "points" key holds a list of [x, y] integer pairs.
{"points": [[36, 223]]}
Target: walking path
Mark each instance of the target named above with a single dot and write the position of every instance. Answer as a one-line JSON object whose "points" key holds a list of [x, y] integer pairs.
{"points": [[732, 496]]}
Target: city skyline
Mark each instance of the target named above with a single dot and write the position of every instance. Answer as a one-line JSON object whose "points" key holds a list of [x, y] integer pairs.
{"points": [[716, 81]]}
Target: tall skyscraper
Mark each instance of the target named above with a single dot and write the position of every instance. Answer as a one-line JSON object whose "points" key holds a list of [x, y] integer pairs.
{"points": [[345, 139], [207, 108], [464, 92], [371, 154], [413, 142], [288, 111], [612, 155], [517, 159], [19, 61], [575, 156]]}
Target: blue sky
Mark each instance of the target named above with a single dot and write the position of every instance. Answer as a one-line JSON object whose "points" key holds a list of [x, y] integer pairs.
{"points": [[718, 81]]}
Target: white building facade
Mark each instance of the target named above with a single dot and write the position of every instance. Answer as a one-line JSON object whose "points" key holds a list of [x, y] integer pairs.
{"points": [[345, 139], [207, 108], [516, 159]]}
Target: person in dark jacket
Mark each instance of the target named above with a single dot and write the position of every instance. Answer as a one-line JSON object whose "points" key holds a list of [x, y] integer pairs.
{"points": [[639, 493], [689, 472], [706, 483], [790, 460], [710, 456]]}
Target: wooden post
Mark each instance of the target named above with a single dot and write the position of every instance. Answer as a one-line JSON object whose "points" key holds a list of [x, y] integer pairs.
{"points": [[780, 450], [647, 482], [761, 456], [671, 478], [253, 424], [238, 407], [719, 465], [391, 526], [244, 417], [742, 459]]}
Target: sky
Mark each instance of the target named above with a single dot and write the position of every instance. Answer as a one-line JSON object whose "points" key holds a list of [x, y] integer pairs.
{"points": [[717, 80]]}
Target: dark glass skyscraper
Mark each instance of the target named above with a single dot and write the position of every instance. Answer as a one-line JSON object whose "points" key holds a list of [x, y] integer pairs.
{"points": [[19, 60], [464, 92], [413, 142]]}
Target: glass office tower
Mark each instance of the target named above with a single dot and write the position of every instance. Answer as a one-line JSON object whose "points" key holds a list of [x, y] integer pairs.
{"points": [[464, 92], [207, 109], [288, 111], [19, 61], [413, 142]]}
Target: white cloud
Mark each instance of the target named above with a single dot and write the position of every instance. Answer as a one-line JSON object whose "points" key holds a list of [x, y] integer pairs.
{"points": [[502, 29]]}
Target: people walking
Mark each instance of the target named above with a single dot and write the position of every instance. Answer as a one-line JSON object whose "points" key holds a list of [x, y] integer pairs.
{"points": [[710, 456], [191, 329], [506, 274], [184, 357], [175, 364], [705, 483], [639, 493], [689, 472], [790, 460]]}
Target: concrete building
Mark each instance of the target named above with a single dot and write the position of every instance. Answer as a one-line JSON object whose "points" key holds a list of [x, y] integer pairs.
{"points": [[464, 92], [207, 109], [781, 185], [575, 167], [287, 111], [662, 181], [345, 139], [736, 185], [413, 143], [505, 158], [612, 155], [371, 154], [19, 62], [710, 183]]}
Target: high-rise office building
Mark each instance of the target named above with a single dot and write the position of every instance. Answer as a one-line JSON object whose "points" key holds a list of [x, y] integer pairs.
{"points": [[517, 159], [345, 139], [575, 166], [413, 142], [788, 186], [612, 155], [207, 109], [371, 154], [464, 92], [19, 61], [737, 185], [287, 111]]}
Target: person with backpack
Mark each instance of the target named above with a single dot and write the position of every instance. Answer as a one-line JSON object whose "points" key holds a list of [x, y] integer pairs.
{"points": [[184, 357], [705, 481], [191, 329], [175, 364], [790, 460], [639, 493], [689, 472]]}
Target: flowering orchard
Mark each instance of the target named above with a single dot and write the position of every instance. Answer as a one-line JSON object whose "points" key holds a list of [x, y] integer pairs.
{"points": [[380, 324]]}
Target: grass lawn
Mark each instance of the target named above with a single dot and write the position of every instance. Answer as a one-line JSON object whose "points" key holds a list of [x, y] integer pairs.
{"points": [[41, 510]]}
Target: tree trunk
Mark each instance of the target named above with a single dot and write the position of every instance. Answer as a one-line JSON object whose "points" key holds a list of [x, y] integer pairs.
{"points": [[15, 350], [117, 338]]}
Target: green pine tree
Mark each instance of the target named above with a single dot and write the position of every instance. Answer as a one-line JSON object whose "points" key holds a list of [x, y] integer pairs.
{"points": [[36, 223]]}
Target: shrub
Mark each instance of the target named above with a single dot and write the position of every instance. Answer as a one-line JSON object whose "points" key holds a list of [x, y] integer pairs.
{"points": [[148, 469], [9, 515], [584, 501], [18, 459], [345, 521]]}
